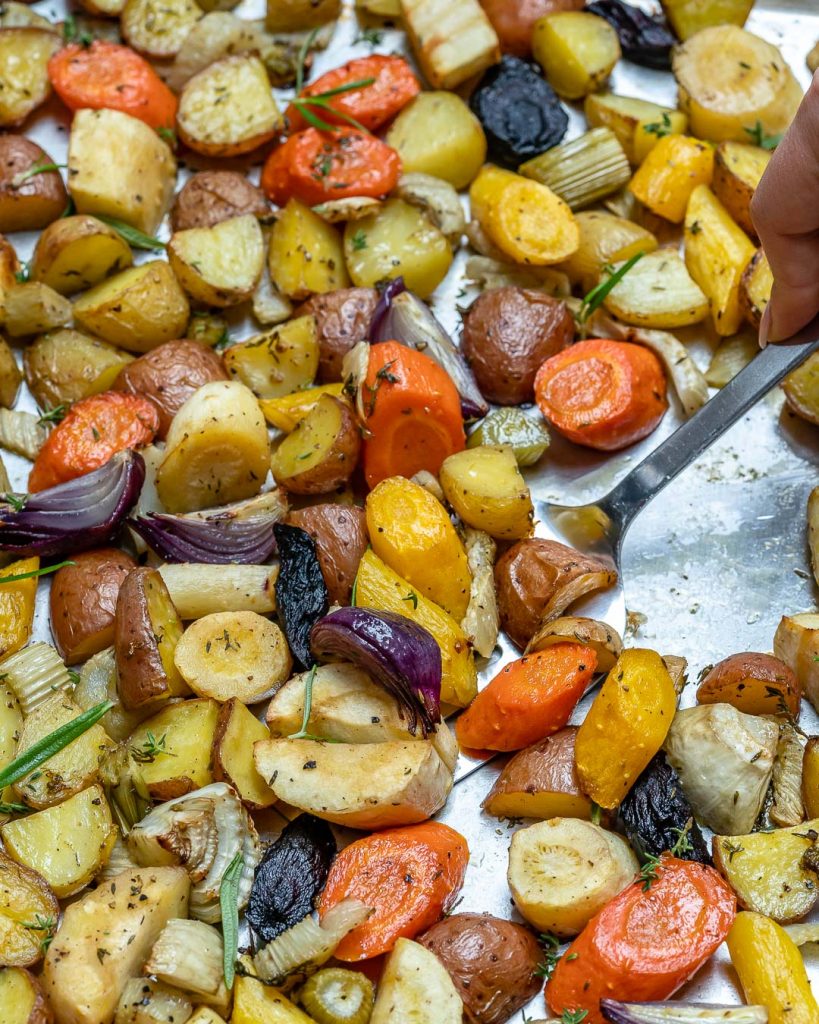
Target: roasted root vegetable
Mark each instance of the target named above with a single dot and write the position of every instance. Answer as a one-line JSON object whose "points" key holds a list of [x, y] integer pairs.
{"points": [[432, 27], [740, 751], [340, 533], [772, 873], [721, 103], [796, 643], [617, 954], [138, 192], [209, 197], [36, 200], [295, 15], [137, 309], [755, 294], [233, 654], [86, 985], [485, 487], [335, 990], [219, 265], [669, 174], [25, 899], [538, 579], [687, 17], [24, 57], [199, 589], [17, 605], [564, 870], [75, 253], [625, 726], [374, 870], [451, 144], [189, 956], [306, 254], [599, 636], [236, 731], [279, 362], [158, 32], [64, 366], [416, 986], [321, 453], [227, 109], [173, 748], [658, 291], [583, 170], [365, 785], [528, 699], [34, 307], [737, 172], [144, 1001], [576, 50], [639, 124], [22, 997], [754, 683]]}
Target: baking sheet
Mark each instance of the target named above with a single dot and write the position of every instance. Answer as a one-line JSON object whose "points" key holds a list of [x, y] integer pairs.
{"points": [[709, 567]]}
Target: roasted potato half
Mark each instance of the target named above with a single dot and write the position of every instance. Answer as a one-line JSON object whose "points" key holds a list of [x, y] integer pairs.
{"points": [[485, 487], [755, 289], [157, 28], [577, 51], [658, 292], [32, 308], [278, 362], [757, 684], [24, 57], [796, 642], [22, 998], [237, 730], [146, 632], [687, 17], [228, 109], [64, 366], [415, 986], [738, 169], [75, 253], [306, 254], [637, 123], [321, 453], [83, 601], [25, 898], [296, 15], [29, 199], [188, 727], [220, 265], [209, 197], [340, 533], [10, 378], [342, 320], [604, 640]]}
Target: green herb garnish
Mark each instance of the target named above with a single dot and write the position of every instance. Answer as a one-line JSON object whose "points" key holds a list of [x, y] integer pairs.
{"points": [[54, 415], [359, 241], [597, 296], [371, 36], [732, 849], [167, 135], [44, 749], [18, 576], [23, 274], [648, 874], [229, 905], [573, 1016], [303, 734], [17, 501], [33, 171], [151, 749], [72, 33], [133, 236], [596, 813], [549, 944], [683, 843], [411, 596], [320, 101], [14, 808], [760, 137], [659, 128]]}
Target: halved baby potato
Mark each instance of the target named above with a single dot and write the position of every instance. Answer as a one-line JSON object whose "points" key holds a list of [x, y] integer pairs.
{"points": [[64, 366], [755, 289], [233, 654], [184, 763], [237, 729], [147, 629], [140, 308], [219, 265], [25, 899], [639, 124], [280, 362], [67, 844], [577, 51], [33, 308], [22, 998], [603, 639], [157, 28], [24, 57], [658, 292], [738, 169], [29, 198], [306, 254], [75, 253], [228, 109], [321, 452], [415, 986], [485, 487]]}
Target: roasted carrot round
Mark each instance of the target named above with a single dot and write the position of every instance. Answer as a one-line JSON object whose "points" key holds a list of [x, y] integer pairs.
{"points": [[109, 76], [529, 699], [413, 413], [93, 430], [602, 394], [647, 941], [315, 166], [409, 876], [394, 85]]}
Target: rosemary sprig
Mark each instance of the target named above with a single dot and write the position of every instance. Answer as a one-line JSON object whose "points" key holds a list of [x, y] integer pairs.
{"points": [[303, 734], [14, 808], [573, 1016], [759, 137], [597, 296], [304, 103], [18, 576], [151, 749], [133, 236], [229, 905], [549, 944], [659, 128], [35, 169], [17, 501], [648, 874], [54, 415]]}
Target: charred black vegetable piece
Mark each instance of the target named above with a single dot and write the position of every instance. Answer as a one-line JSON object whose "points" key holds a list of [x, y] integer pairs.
{"points": [[520, 112], [301, 594], [656, 811], [643, 39], [290, 876]]}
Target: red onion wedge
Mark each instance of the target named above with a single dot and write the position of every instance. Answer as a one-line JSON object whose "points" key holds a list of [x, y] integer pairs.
{"points": [[218, 542], [398, 653], [73, 516], [401, 316], [681, 1013]]}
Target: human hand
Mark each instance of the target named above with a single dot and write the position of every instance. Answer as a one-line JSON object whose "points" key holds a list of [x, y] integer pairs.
{"points": [[785, 212]]}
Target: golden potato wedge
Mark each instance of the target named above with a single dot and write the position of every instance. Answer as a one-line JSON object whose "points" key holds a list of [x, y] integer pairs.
{"points": [[577, 51], [184, 731], [75, 253], [71, 769], [228, 109], [17, 605], [731, 82], [278, 362], [484, 486], [64, 366], [363, 785], [755, 289], [796, 642], [320, 454], [717, 252], [254, 1002], [767, 870], [67, 844], [295, 15], [136, 190], [737, 172], [202, 589], [25, 901], [106, 936], [22, 998], [688, 17], [658, 292], [34, 307], [639, 124], [233, 654], [237, 729], [157, 28], [415, 986], [10, 376], [216, 449], [306, 255], [138, 308], [219, 265], [540, 782], [29, 198], [453, 40], [24, 81], [147, 630], [397, 240]]}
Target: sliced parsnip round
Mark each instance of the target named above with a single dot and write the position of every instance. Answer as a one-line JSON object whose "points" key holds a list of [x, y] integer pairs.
{"points": [[233, 654], [228, 109], [216, 451], [219, 265], [600, 636], [562, 871]]}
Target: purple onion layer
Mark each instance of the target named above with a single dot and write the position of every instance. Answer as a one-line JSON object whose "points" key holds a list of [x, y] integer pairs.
{"points": [[219, 542]]}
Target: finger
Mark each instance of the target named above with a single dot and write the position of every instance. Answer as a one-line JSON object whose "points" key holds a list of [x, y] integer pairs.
{"points": [[794, 299]]}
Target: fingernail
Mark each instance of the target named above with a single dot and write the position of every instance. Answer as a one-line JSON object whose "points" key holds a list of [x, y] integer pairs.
{"points": [[765, 327]]}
